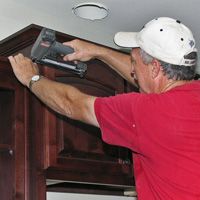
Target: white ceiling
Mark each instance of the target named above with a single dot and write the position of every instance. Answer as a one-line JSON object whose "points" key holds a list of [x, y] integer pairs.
{"points": [[124, 15]]}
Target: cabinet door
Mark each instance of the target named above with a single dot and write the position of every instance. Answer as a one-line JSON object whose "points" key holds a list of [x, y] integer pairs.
{"points": [[13, 163], [7, 179], [74, 151]]}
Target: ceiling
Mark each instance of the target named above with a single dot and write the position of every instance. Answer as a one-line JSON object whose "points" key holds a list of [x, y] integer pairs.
{"points": [[124, 15]]}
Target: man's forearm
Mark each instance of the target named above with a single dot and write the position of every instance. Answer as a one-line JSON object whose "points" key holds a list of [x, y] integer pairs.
{"points": [[66, 100], [118, 61]]}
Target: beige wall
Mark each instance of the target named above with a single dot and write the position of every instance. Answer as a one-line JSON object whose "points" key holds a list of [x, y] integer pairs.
{"points": [[70, 196]]}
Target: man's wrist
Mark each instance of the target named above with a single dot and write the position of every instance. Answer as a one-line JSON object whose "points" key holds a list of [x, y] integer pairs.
{"points": [[34, 79]]}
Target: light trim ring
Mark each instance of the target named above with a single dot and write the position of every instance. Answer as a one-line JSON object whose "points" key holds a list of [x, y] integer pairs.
{"points": [[91, 11]]}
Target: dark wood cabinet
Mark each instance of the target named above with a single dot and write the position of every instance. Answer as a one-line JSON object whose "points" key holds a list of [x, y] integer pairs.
{"points": [[13, 136], [38, 145]]}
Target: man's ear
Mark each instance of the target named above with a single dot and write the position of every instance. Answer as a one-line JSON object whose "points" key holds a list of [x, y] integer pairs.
{"points": [[155, 68]]}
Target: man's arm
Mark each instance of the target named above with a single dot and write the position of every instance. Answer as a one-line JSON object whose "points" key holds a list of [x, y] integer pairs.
{"points": [[64, 99], [85, 51]]}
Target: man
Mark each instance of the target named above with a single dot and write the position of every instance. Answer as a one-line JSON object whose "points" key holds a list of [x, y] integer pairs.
{"points": [[160, 125]]}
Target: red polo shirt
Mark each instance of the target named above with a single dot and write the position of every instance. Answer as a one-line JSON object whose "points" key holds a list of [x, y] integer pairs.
{"points": [[163, 132]]}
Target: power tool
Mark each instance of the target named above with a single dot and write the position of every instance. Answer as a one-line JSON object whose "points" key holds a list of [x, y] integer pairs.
{"points": [[47, 51]]}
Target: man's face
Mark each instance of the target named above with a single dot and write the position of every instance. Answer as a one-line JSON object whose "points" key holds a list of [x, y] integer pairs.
{"points": [[140, 72]]}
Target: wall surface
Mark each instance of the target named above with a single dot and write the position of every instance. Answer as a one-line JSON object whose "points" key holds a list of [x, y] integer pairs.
{"points": [[71, 196]]}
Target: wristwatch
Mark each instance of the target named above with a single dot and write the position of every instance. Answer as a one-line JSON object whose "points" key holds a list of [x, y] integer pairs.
{"points": [[33, 80]]}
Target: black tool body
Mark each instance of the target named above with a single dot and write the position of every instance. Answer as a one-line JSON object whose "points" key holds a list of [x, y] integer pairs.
{"points": [[47, 51]]}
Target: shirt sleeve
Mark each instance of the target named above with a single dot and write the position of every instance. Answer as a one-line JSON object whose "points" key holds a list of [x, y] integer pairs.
{"points": [[115, 116]]}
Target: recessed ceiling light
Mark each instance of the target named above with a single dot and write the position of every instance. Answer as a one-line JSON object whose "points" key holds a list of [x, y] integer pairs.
{"points": [[90, 11]]}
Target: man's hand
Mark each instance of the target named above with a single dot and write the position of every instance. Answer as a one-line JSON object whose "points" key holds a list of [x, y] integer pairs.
{"points": [[23, 68], [83, 51]]}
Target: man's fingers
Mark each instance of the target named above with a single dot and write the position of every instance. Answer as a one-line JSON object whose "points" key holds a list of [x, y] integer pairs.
{"points": [[12, 60], [69, 44], [71, 57], [19, 57]]}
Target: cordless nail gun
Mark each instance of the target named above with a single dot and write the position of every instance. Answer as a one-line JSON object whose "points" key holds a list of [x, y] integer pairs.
{"points": [[47, 51]]}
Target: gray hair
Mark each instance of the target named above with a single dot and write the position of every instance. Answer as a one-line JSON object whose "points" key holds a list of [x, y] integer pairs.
{"points": [[175, 72]]}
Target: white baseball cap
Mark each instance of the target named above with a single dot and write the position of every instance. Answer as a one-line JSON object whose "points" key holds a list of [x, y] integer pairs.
{"points": [[164, 38]]}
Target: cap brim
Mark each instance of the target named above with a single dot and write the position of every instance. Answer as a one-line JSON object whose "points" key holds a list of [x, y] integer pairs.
{"points": [[126, 39]]}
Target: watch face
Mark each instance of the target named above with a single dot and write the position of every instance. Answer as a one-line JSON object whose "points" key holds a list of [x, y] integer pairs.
{"points": [[35, 78]]}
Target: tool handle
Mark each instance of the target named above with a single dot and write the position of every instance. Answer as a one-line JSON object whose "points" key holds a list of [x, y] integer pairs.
{"points": [[62, 49]]}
